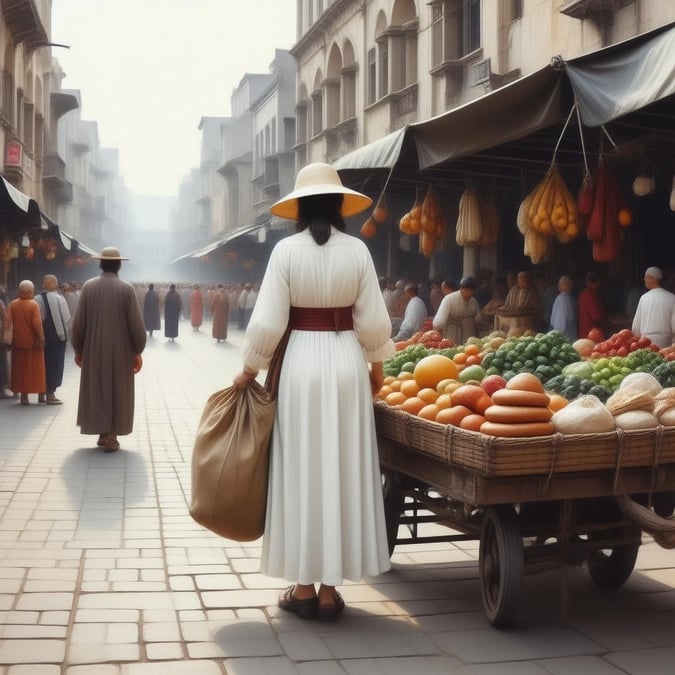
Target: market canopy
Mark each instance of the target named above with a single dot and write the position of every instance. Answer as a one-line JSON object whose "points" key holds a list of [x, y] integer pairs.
{"points": [[380, 154], [17, 210], [511, 112], [607, 84], [221, 241], [625, 77]]}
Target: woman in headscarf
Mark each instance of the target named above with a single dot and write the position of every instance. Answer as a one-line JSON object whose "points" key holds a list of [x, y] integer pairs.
{"points": [[325, 515], [28, 374]]}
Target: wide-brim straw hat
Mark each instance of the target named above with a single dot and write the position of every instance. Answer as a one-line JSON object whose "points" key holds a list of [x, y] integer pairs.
{"points": [[109, 253], [320, 179]]}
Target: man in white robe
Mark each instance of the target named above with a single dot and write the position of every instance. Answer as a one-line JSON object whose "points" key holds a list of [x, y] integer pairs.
{"points": [[655, 315], [415, 314], [456, 317]]}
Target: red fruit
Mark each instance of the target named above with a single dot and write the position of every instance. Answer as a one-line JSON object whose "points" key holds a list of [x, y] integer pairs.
{"points": [[633, 346], [612, 352], [596, 335], [621, 351], [654, 348], [492, 383]]}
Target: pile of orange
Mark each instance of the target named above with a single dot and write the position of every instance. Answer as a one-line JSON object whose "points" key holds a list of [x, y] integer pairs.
{"points": [[433, 392]]}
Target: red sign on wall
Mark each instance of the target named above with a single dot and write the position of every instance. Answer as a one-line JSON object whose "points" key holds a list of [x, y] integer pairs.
{"points": [[13, 154]]}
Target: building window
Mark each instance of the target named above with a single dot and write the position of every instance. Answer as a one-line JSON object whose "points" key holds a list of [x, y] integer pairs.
{"points": [[28, 130], [456, 29], [383, 67], [317, 113], [301, 121], [437, 56], [372, 76]]}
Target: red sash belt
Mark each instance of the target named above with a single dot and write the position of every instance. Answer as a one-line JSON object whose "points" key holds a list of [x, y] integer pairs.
{"points": [[321, 318]]}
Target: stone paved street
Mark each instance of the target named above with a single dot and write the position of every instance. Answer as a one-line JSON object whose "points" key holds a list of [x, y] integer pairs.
{"points": [[103, 572]]}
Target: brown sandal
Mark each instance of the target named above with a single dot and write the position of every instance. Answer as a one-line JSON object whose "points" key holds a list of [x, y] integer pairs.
{"points": [[305, 609], [332, 611]]}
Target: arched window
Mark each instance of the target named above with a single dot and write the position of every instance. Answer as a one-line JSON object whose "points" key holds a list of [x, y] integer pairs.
{"points": [[349, 69], [403, 43], [317, 105], [332, 87], [301, 118], [382, 56]]}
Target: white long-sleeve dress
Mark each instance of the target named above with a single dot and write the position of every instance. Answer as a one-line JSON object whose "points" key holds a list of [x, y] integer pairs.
{"points": [[325, 515]]}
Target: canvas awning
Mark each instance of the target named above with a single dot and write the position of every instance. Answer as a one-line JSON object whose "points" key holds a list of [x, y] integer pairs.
{"points": [[221, 241], [516, 110], [620, 79], [380, 154], [17, 210], [67, 241], [606, 85]]}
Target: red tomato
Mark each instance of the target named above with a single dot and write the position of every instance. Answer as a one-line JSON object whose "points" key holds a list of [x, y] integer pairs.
{"points": [[654, 348], [596, 335], [621, 351], [643, 342], [624, 333], [633, 346], [612, 352]]}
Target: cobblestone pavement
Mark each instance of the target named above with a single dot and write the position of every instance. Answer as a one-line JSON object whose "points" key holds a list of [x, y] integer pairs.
{"points": [[103, 572]]}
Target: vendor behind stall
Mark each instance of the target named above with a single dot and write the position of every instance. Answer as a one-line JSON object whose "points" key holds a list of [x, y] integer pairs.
{"points": [[522, 309], [457, 314]]}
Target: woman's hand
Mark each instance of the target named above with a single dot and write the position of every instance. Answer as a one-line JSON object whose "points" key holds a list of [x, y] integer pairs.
{"points": [[376, 377], [78, 360], [243, 379], [138, 363]]}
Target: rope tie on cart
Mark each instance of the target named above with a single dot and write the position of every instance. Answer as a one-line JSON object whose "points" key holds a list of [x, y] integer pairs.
{"points": [[619, 458], [556, 445], [655, 464]]}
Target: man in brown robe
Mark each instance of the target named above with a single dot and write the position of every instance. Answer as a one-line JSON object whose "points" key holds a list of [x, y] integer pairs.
{"points": [[108, 336], [521, 310], [28, 341], [220, 311]]}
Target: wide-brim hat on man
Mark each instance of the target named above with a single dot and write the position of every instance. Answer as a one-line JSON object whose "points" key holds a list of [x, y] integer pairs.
{"points": [[320, 179], [109, 253]]}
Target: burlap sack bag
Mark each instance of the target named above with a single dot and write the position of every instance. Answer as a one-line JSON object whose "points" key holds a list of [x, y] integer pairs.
{"points": [[230, 462]]}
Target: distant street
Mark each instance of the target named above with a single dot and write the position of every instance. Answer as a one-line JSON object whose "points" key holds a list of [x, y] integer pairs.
{"points": [[100, 563]]}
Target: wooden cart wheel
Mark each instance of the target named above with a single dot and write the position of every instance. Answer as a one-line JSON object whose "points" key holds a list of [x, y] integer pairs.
{"points": [[501, 563], [393, 506], [610, 567]]}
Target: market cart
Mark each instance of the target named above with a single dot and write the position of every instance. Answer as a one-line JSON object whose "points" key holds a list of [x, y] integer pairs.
{"points": [[534, 504]]}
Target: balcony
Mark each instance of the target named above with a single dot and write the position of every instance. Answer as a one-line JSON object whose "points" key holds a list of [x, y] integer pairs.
{"points": [[64, 193], [591, 9], [23, 21], [340, 139], [53, 171]]}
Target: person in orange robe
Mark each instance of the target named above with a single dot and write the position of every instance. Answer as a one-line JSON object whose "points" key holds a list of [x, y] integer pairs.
{"points": [[196, 307], [28, 374]]}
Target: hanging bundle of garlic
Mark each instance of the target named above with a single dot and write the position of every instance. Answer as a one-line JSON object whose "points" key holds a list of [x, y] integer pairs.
{"points": [[469, 223]]}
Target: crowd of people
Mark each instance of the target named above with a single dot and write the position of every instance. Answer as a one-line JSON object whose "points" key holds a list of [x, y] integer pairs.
{"points": [[32, 352], [519, 302]]}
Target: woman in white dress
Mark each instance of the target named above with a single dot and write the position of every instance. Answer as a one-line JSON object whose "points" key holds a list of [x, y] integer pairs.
{"points": [[325, 515]]}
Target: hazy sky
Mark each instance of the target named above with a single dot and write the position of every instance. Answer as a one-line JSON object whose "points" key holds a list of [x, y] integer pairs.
{"points": [[148, 70]]}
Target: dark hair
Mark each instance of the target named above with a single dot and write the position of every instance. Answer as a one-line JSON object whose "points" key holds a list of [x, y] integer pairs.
{"points": [[151, 286], [110, 266], [318, 213], [172, 287]]}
